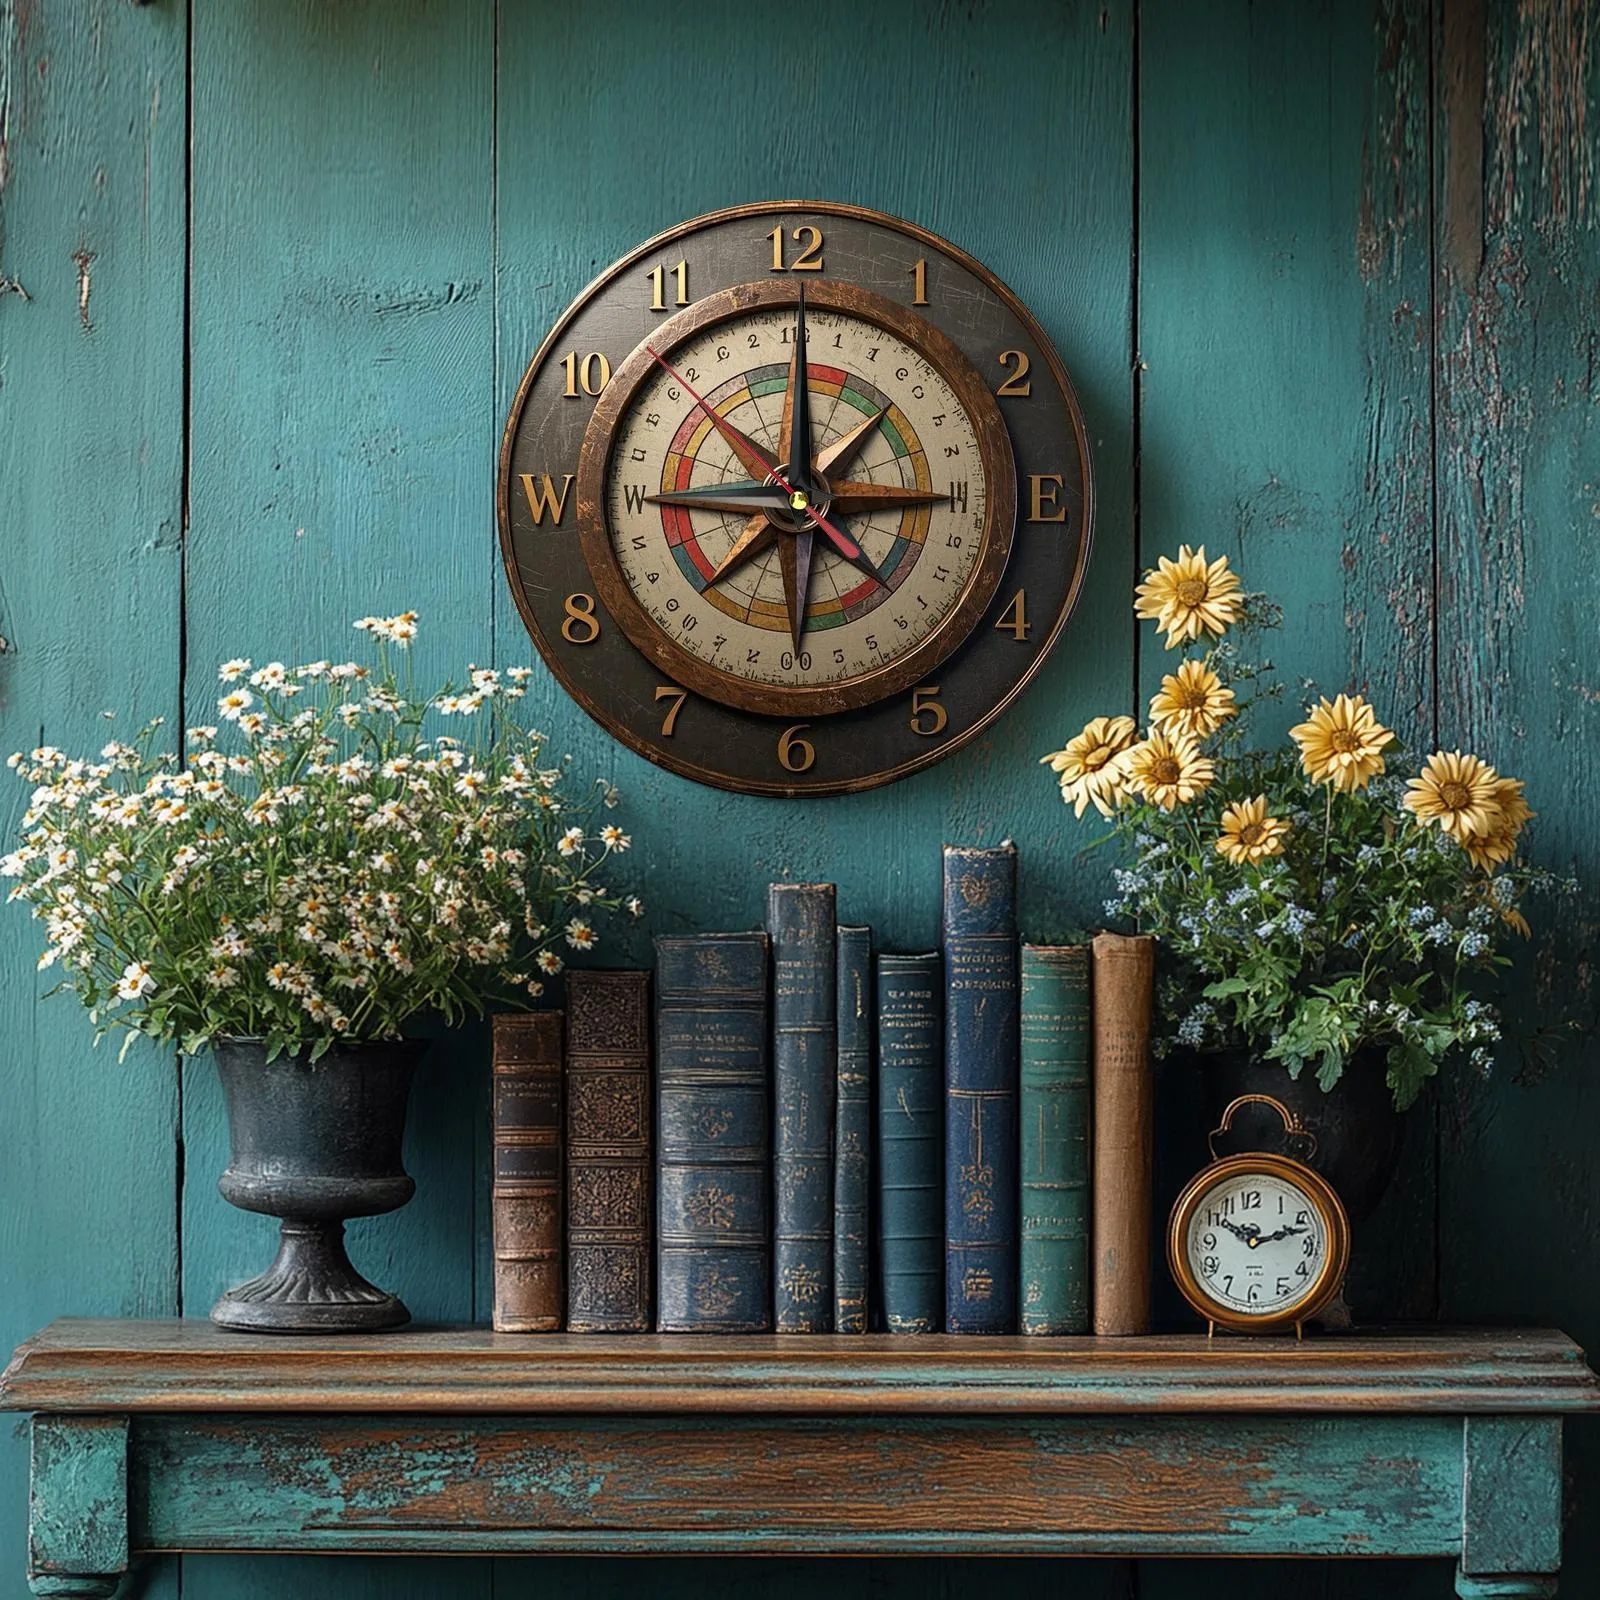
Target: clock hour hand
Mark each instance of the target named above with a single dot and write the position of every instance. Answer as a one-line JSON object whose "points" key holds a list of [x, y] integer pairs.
{"points": [[1235, 1229], [1281, 1233], [748, 497]]}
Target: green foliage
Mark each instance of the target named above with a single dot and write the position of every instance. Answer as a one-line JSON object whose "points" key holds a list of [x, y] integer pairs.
{"points": [[1365, 928], [328, 863]]}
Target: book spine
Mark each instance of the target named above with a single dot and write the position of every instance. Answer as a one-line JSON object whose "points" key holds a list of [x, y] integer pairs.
{"points": [[525, 1192], [852, 1161], [1124, 976], [713, 1172], [608, 1152], [1053, 1154], [801, 921], [981, 1044], [910, 1142]]}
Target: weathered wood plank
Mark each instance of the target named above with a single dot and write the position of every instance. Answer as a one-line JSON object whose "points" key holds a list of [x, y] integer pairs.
{"points": [[78, 1499], [1101, 1485], [343, 443], [191, 1366], [1519, 678], [1511, 1518], [91, 373]]}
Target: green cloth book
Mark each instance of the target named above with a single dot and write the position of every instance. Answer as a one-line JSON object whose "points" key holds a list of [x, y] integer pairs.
{"points": [[1054, 1107]]}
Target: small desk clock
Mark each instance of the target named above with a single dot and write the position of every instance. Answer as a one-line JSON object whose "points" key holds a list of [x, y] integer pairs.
{"points": [[1259, 1242]]}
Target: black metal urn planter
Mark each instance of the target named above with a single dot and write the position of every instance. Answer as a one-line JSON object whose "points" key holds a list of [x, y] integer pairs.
{"points": [[315, 1143]]}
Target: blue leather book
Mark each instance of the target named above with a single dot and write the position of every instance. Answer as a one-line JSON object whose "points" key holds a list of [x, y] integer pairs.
{"points": [[911, 1142], [713, 1177], [852, 1143], [1053, 1108], [981, 1067], [801, 921]]}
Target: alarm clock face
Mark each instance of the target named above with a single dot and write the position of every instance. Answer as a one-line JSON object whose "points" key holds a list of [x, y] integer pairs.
{"points": [[1257, 1244]]}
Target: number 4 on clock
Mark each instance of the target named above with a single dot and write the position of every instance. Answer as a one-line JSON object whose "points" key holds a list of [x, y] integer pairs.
{"points": [[1014, 619]]}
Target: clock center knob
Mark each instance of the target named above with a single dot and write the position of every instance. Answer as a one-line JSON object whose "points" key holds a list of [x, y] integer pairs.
{"points": [[808, 491]]}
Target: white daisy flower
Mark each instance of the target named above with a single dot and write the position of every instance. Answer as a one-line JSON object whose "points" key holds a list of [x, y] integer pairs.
{"points": [[614, 838], [234, 704], [570, 842], [232, 671], [135, 982], [580, 935], [549, 962]]}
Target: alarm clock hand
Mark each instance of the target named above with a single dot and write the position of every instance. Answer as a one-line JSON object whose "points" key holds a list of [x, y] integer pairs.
{"points": [[1281, 1233], [1235, 1229]]}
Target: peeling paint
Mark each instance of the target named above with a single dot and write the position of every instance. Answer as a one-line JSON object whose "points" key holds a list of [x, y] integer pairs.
{"points": [[1538, 99], [83, 259]]}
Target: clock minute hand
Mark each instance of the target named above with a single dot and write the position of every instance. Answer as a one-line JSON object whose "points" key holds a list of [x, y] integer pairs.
{"points": [[799, 407]]}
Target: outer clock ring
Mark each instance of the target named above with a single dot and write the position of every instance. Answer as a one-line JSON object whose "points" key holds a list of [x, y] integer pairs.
{"points": [[903, 671], [620, 687], [1335, 1222]]}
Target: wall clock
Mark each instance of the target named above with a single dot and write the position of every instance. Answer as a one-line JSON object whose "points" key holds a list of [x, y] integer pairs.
{"points": [[795, 498]]}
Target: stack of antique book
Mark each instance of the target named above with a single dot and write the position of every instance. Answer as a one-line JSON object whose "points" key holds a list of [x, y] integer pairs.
{"points": [[804, 1136]]}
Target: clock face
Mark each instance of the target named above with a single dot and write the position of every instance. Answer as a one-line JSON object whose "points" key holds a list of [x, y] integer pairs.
{"points": [[1257, 1244], [795, 499]]}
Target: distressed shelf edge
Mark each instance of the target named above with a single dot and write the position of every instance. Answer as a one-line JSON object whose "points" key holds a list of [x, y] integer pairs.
{"points": [[90, 1366]]}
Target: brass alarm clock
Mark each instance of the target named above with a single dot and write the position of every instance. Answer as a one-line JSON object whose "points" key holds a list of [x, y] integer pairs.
{"points": [[1259, 1242]]}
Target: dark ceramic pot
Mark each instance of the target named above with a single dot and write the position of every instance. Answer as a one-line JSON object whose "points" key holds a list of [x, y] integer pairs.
{"points": [[1356, 1125], [315, 1144]]}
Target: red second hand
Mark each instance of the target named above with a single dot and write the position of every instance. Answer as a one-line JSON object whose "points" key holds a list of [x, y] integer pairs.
{"points": [[743, 447]]}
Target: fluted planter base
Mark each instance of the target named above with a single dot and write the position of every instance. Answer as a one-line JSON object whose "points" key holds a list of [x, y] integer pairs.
{"points": [[310, 1287], [315, 1143]]}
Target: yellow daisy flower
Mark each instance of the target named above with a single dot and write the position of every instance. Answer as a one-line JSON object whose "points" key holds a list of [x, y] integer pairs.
{"points": [[1167, 769], [1500, 842], [1192, 700], [1249, 834], [1342, 743], [1187, 597], [1459, 792], [1087, 767]]}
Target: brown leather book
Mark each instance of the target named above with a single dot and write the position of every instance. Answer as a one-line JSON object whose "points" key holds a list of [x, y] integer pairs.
{"points": [[525, 1197], [608, 1152], [1124, 978]]}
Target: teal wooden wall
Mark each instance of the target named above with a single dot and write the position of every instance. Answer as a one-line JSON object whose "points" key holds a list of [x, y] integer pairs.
{"points": [[1328, 276]]}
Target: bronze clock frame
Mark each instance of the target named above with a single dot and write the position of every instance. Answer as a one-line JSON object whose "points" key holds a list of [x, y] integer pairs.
{"points": [[1335, 1222], [1000, 473], [866, 741]]}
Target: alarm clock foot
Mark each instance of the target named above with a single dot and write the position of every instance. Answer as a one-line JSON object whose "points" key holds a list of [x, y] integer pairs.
{"points": [[1506, 1585]]}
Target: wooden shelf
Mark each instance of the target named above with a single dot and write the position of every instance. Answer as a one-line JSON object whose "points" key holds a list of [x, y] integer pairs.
{"points": [[94, 1365], [155, 1436]]}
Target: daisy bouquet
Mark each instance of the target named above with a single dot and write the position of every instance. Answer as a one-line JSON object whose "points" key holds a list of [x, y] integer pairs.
{"points": [[1312, 900], [334, 856]]}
